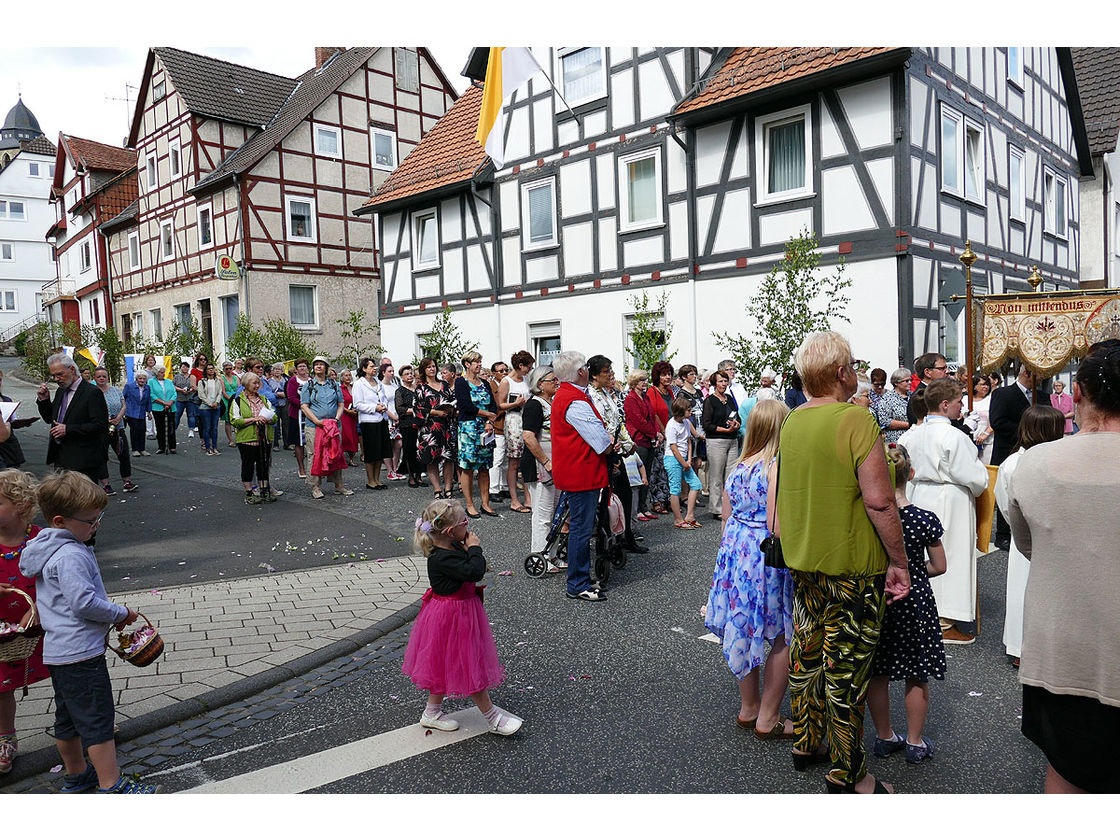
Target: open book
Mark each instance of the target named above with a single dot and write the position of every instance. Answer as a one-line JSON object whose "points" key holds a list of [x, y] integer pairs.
{"points": [[8, 410]]}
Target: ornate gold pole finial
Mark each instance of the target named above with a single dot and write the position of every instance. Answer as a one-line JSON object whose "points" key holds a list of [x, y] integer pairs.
{"points": [[968, 257], [1035, 278]]}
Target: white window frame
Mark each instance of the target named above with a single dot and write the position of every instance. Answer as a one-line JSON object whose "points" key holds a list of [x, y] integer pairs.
{"points": [[138, 324], [177, 309], [159, 90], [157, 323], [979, 166], [526, 242], [314, 305], [151, 172], [762, 126], [1015, 66], [15, 300], [1017, 208], [168, 225], [33, 169], [624, 161], [74, 195], [543, 331], [175, 158], [628, 327], [414, 230], [965, 125], [952, 115], [1050, 222], [208, 210], [50, 170], [95, 310], [374, 133], [10, 249], [7, 213], [304, 199], [558, 74], [1116, 230], [134, 249], [85, 256], [329, 129]]}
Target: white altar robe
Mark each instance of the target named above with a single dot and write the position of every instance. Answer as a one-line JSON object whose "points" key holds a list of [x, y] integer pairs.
{"points": [[948, 476], [1018, 566]]}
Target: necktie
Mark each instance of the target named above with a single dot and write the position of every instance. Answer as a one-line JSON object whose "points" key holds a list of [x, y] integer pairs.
{"points": [[62, 405]]}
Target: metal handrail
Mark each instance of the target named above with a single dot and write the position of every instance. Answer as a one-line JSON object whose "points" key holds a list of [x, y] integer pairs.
{"points": [[26, 323]]}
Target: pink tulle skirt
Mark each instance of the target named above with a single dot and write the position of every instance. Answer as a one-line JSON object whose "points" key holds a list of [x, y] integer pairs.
{"points": [[451, 650]]}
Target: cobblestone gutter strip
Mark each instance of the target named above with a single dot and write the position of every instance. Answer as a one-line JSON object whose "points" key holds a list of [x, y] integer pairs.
{"points": [[42, 760]]}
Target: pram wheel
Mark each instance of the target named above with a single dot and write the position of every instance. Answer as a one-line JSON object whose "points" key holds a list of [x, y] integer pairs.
{"points": [[536, 564], [562, 549], [602, 565]]}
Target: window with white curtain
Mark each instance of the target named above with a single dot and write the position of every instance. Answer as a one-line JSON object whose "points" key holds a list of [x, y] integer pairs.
{"points": [[86, 255], [640, 190], [326, 141], [134, 250], [786, 160], [301, 218], [205, 225], [583, 74], [1016, 168], [157, 323], [1055, 202], [425, 240], [174, 159], [8, 301], [152, 173], [183, 315], [383, 149], [7, 253], [166, 240], [301, 306], [538, 214]]}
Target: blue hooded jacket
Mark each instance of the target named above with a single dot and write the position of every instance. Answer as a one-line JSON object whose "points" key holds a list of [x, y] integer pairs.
{"points": [[70, 596]]}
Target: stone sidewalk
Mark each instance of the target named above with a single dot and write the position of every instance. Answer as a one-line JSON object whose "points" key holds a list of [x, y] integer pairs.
{"points": [[230, 639]]}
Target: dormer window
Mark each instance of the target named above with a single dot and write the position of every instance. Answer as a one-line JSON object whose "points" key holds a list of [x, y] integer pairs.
{"points": [[159, 90], [583, 74]]}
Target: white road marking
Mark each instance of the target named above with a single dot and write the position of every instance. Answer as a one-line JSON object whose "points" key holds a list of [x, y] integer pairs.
{"points": [[348, 760], [710, 637], [220, 756]]}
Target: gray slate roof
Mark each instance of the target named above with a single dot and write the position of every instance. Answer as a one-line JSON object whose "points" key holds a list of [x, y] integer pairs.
{"points": [[1098, 82], [229, 92], [310, 91]]}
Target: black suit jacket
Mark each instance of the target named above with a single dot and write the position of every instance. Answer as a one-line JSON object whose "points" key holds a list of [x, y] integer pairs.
{"points": [[1004, 413], [83, 447]]}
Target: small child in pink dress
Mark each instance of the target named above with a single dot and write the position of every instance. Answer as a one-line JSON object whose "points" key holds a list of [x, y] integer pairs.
{"points": [[451, 651]]}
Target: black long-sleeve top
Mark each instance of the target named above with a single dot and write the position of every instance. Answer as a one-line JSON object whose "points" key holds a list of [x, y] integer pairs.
{"points": [[403, 400], [449, 568], [467, 409], [717, 413]]}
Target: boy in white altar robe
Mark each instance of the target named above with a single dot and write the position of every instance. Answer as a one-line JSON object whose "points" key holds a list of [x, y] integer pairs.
{"points": [[948, 476]]}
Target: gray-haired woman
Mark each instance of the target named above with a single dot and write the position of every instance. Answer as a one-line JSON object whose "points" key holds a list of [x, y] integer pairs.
{"points": [[536, 466], [890, 412]]}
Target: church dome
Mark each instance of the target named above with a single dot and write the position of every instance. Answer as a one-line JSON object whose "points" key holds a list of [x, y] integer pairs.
{"points": [[20, 124]]}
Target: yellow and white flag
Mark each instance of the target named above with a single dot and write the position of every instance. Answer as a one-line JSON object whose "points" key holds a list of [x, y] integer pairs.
{"points": [[507, 70]]}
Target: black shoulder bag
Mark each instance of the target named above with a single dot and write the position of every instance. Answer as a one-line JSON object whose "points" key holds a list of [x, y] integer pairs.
{"points": [[772, 546]]}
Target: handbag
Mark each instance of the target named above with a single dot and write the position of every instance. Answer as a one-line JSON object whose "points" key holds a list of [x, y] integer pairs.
{"points": [[772, 546]]}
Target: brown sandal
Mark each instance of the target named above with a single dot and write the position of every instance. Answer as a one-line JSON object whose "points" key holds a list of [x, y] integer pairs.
{"points": [[745, 724], [776, 733]]}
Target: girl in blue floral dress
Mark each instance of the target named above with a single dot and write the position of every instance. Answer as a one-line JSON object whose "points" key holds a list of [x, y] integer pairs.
{"points": [[749, 603]]}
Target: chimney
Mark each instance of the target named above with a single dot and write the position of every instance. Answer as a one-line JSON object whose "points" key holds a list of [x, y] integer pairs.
{"points": [[323, 54]]}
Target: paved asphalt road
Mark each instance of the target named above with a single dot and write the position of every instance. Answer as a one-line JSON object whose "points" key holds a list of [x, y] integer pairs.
{"points": [[622, 696]]}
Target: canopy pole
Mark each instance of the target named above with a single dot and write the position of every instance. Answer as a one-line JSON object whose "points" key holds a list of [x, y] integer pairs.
{"points": [[968, 258]]}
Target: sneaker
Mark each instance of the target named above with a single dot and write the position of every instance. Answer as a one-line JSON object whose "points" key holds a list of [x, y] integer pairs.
{"points": [[250, 499], [954, 636], [136, 454], [342, 491], [505, 723], [441, 722], [129, 487], [9, 749], [890, 746], [254, 488], [396, 476], [80, 782], [124, 785], [916, 754], [109, 491], [275, 492], [588, 595], [316, 493], [269, 497], [190, 434]]}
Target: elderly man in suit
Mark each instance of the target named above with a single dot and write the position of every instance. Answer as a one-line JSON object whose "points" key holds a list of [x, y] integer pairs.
{"points": [[79, 419], [1005, 409]]}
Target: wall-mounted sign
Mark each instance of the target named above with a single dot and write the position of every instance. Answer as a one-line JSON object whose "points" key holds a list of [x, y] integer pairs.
{"points": [[225, 268]]}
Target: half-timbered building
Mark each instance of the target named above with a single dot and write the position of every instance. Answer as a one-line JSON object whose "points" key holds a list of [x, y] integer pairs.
{"points": [[1098, 85], [267, 171], [93, 182], [687, 170]]}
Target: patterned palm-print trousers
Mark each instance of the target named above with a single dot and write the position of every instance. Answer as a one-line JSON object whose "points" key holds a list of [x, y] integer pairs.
{"points": [[836, 622]]}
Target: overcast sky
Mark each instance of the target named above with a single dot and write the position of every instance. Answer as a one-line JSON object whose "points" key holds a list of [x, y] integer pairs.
{"points": [[82, 90]]}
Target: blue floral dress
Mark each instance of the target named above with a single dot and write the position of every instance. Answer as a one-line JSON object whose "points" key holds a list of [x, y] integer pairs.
{"points": [[749, 603], [473, 455]]}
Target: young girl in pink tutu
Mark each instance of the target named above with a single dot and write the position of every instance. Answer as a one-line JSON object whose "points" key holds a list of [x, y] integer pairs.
{"points": [[451, 650]]}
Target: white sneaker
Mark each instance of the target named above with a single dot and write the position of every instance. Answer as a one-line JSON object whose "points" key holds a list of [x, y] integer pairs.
{"points": [[191, 434], [505, 724], [441, 722]]}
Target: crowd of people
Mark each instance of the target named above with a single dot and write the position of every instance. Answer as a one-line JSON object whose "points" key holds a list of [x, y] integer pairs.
{"points": [[849, 529]]}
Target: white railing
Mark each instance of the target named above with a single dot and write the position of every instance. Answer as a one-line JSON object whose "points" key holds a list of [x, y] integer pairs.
{"points": [[14, 330]]}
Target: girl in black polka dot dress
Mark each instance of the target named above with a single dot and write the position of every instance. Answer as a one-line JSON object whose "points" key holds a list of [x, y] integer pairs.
{"points": [[910, 646]]}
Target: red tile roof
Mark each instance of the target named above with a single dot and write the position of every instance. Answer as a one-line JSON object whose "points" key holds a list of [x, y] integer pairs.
{"points": [[117, 194], [751, 69], [93, 155], [447, 155]]}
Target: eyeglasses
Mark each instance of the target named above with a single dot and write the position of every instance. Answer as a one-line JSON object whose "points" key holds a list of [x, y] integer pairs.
{"points": [[940, 367], [549, 379], [58, 375], [93, 523]]}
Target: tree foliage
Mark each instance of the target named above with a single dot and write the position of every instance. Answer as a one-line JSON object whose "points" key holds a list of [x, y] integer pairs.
{"points": [[793, 301], [444, 342], [650, 331], [245, 340], [359, 338], [284, 343]]}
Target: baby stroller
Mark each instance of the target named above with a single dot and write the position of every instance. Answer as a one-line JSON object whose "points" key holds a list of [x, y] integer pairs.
{"points": [[609, 534]]}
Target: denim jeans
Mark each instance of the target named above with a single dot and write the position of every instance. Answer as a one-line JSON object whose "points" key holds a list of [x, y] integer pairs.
{"points": [[192, 414], [581, 509], [208, 427]]}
